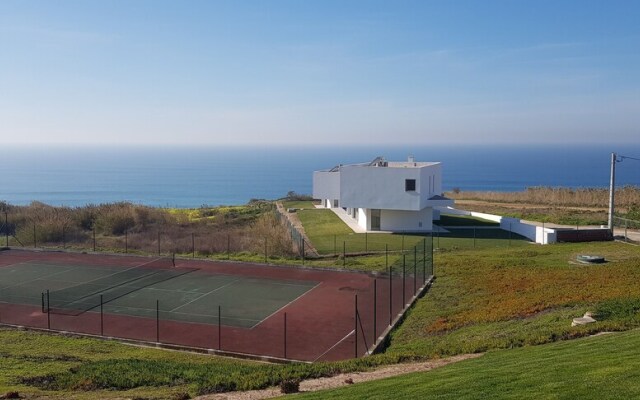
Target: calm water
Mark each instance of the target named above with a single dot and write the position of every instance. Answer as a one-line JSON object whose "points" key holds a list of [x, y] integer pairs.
{"points": [[190, 177]]}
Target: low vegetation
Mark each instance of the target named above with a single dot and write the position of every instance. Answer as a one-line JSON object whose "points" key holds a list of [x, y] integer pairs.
{"points": [[137, 228], [602, 367]]}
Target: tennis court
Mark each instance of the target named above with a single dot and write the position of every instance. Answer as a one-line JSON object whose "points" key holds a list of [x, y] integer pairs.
{"points": [[231, 308], [178, 294]]}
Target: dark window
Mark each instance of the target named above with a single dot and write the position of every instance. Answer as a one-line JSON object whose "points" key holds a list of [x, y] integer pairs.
{"points": [[410, 185]]}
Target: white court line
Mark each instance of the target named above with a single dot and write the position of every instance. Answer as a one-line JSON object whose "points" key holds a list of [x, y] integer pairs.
{"points": [[284, 306], [335, 345], [206, 294]]}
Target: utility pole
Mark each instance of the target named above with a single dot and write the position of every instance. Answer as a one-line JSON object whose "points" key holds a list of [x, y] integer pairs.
{"points": [[612, 185]]}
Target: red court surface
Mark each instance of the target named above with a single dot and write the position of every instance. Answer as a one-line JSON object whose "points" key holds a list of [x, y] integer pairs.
{"points": [[321, 324]]}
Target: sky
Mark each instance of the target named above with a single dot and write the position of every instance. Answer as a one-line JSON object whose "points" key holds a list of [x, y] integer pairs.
{"points": [[309, 72]]}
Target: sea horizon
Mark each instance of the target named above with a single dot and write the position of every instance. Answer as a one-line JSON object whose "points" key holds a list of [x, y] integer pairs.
{"points": [[192, 176]]}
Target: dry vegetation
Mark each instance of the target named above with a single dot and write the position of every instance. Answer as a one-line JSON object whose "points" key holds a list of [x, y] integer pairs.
{"points": [[626, 197], [137, 227]]}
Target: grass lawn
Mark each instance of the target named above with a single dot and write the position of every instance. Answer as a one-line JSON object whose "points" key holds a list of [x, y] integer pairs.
{"points": [[299, 204], [463, 220], [330, 235], [603, 367]]}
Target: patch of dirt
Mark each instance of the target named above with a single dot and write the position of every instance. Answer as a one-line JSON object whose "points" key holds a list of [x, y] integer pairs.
{"points": [[337, 381]]}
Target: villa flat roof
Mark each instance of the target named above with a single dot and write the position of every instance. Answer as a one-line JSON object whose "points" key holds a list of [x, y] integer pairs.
{"points": [[385, 164]]}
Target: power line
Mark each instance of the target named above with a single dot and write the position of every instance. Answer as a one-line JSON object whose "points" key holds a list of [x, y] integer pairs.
{"points": [[627, 158]]}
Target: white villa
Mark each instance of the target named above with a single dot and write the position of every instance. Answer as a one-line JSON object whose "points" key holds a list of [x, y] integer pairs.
{"points": [[384, 195]]}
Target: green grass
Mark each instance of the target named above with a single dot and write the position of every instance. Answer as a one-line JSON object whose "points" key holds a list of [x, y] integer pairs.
{"points": [[299, 204], [463, 220], [603, 367]]}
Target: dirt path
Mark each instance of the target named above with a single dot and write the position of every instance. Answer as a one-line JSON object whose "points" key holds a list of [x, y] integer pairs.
{"points": [[337, 381]]}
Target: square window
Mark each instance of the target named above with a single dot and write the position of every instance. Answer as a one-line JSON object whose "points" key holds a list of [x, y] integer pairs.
{"points": [[409, 185]]}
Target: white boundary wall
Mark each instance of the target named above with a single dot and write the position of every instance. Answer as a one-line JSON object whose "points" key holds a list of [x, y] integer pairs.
{"points": [[534, 233]]}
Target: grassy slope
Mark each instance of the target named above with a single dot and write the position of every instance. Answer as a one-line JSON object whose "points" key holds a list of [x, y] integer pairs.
{"points": [[591, 368], [501, 298]]}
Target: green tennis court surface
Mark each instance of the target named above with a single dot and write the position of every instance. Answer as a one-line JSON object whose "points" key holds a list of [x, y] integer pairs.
{"points": [[181, 294]]}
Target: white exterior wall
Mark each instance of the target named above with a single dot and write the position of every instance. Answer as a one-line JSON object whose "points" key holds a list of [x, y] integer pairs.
{"points": [[383, 187], [397, 220], [326, 185], [363, 218]]}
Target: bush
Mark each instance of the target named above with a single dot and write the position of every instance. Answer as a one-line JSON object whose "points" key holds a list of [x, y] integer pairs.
{"points": [[290, 386]]}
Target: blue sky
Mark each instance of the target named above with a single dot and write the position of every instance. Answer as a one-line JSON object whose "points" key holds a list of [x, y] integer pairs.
{"points": [[305, 72]]}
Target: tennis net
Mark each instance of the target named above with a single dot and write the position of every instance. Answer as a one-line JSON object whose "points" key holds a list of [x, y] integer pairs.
{"points": [[86, 296]]}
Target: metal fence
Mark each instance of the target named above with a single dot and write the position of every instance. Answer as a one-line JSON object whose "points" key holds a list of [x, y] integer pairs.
{"points": [[353, 324], [627, 229]]}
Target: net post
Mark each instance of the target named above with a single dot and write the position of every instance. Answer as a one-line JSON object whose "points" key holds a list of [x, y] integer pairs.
{"points": [[48, 311], [219, 328], [355, 331], [285, 335], [390, 295], [157, 321], [101, 315]]}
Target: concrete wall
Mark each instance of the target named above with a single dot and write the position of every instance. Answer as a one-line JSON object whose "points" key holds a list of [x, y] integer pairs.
{"points": [[398, 220], [364, 219], [532, 232]]}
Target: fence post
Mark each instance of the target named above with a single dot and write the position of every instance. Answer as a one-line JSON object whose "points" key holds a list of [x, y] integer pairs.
{"points": [[219, 328], [158, 321], [158, 242], [386, 255], [404, 280], [335, 244], [366, 242], [403, 242], [193, 245], [424, 260], [48, 311], [390, 295], [285, 335], [375, 309], [126, 241], [415, 274], [6, 227], [101, 317], [94, 239], [303, 252], [265, 251], [344, 254], [355, 331], [543, 232], [64, 239], [228, 246], [34, 236]]}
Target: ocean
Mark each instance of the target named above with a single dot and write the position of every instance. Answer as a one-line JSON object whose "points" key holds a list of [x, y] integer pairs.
{"points": [[209, 175]]}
